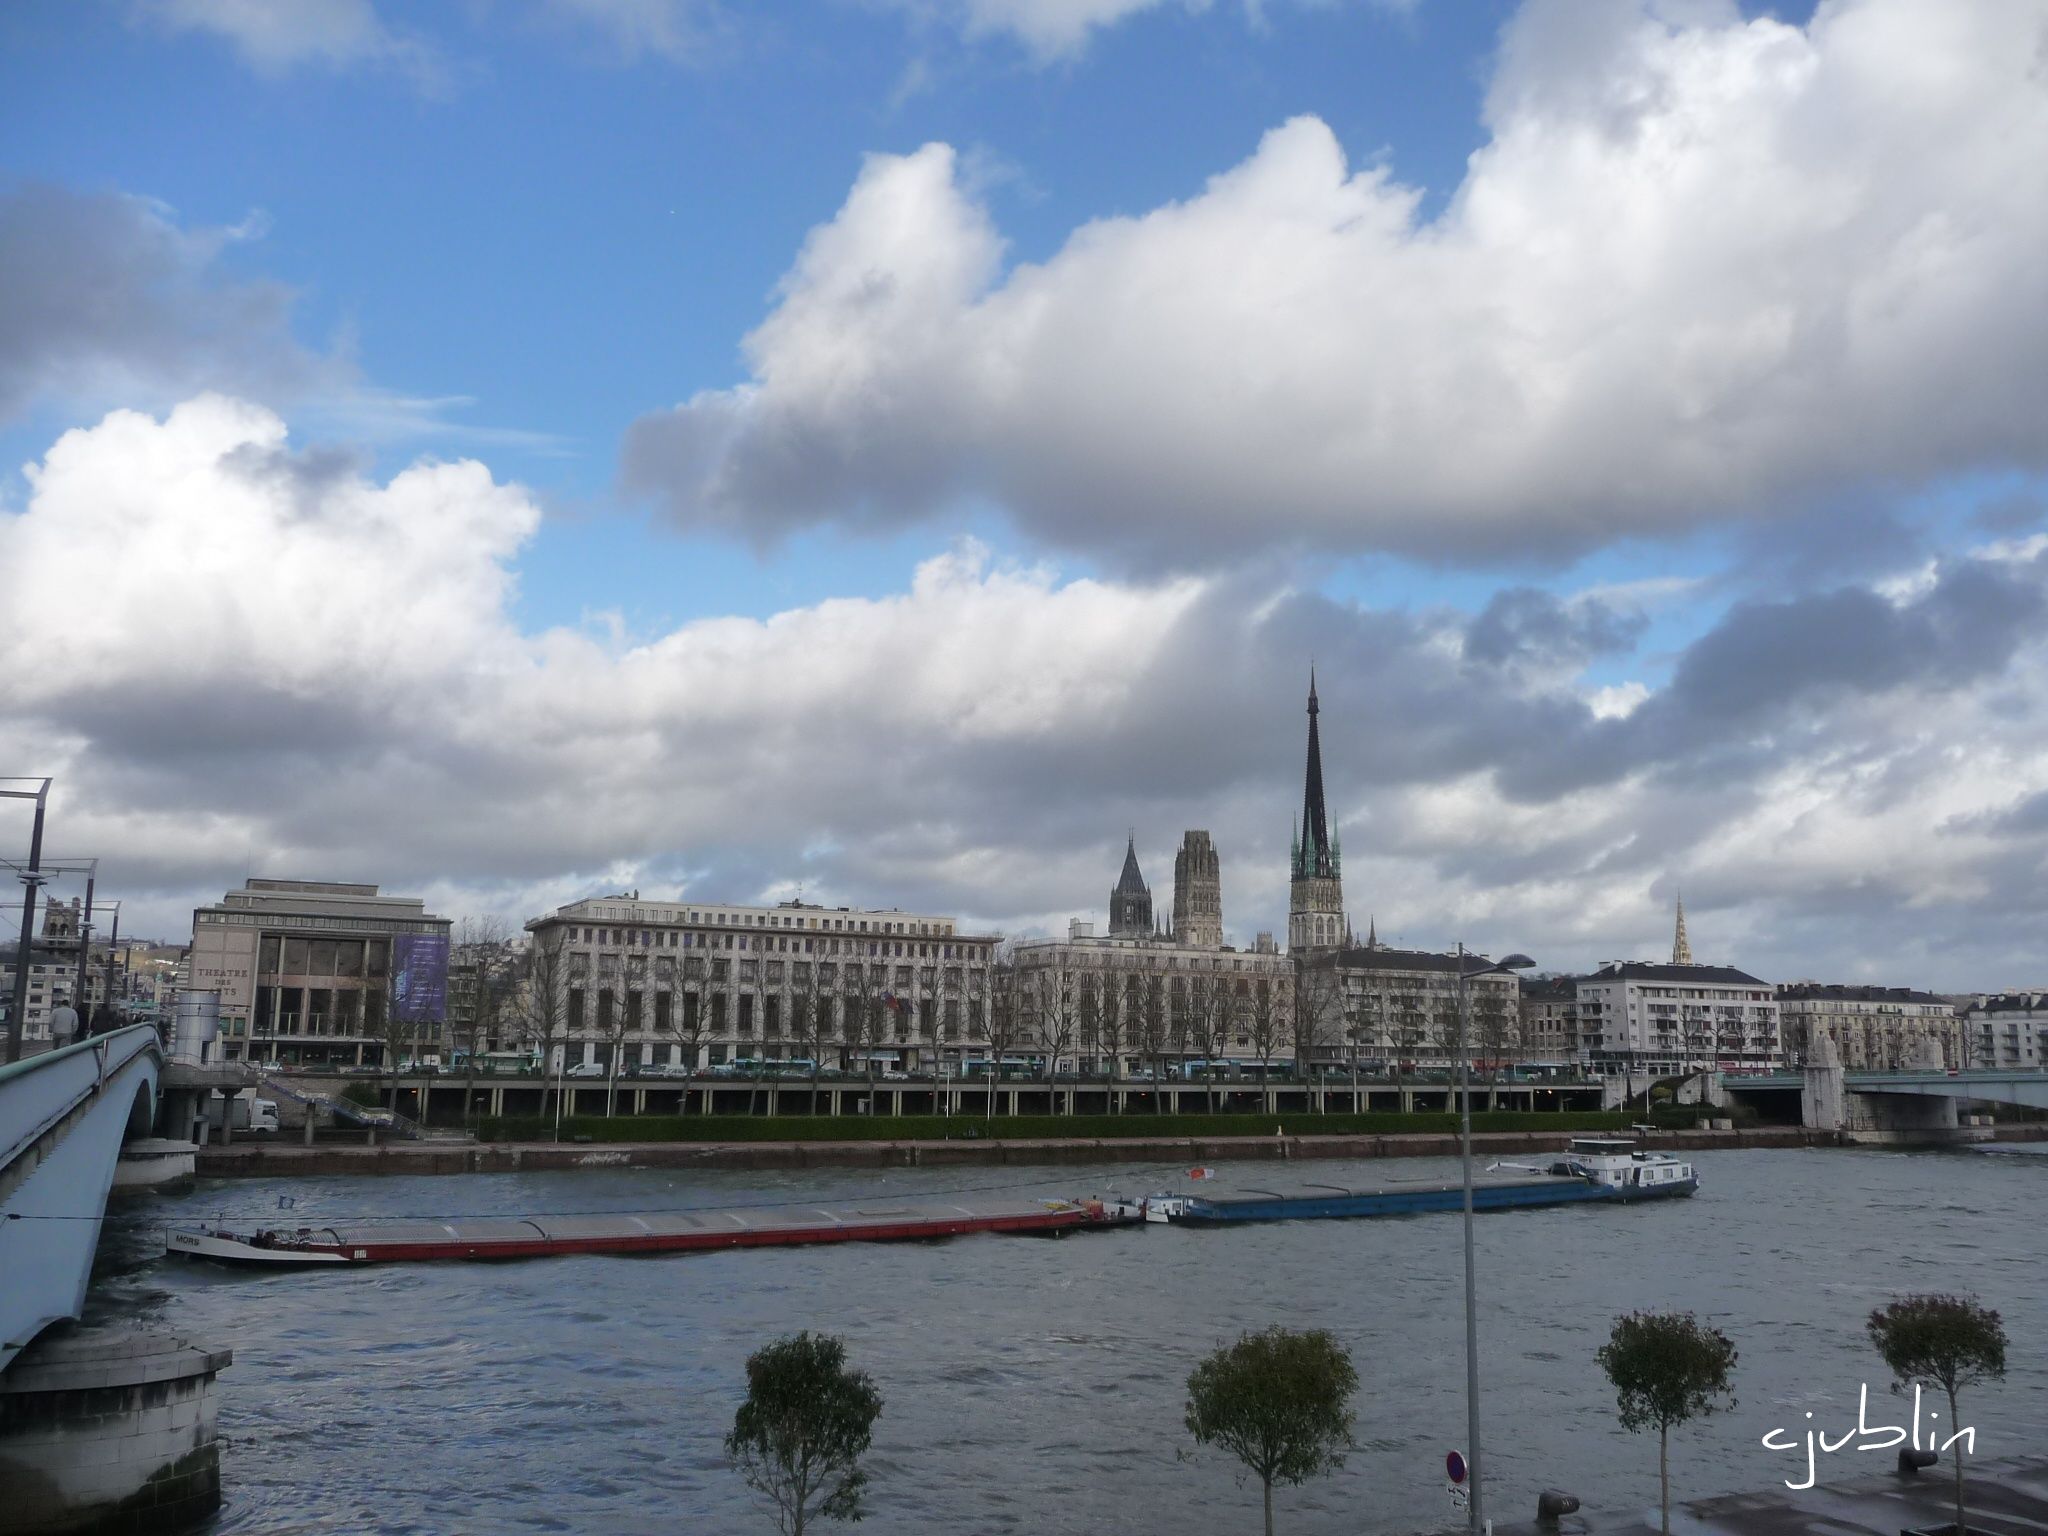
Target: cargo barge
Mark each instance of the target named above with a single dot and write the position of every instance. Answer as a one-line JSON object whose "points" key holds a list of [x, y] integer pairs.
{"points": [[698, 1231], [1593, 1170]]}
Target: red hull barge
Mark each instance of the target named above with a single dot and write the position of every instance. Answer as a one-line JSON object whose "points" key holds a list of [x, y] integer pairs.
{"points": [[533, 1237]]}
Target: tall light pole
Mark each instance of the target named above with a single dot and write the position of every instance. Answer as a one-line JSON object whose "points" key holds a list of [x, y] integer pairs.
{"points": [[1475, 1510], [31, 879]]}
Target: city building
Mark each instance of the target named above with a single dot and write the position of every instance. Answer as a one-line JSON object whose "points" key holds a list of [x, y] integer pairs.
{"points": [[1315, 890], [1638, 1016], [52, 985], [1130, 900], [618, 981], [2007, 1031], [1397, 1009], [1550, 1019], [486, 1011], [322, 973], [1875, 1029], [1198, 893]]}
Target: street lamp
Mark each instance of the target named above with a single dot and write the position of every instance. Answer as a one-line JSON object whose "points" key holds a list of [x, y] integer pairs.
{"points": [[31, 879], [1475, 1509]]}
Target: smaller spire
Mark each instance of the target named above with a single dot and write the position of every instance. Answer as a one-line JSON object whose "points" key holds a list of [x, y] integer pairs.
{"points": [[1372, 931], [1313, 707], [1681, 951]]}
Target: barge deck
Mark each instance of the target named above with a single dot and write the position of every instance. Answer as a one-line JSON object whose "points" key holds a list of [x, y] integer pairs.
{"points": [[682, 1231]]}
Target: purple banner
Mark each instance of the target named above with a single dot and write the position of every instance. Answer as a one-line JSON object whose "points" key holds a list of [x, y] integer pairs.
{"points": [[419, 977]]}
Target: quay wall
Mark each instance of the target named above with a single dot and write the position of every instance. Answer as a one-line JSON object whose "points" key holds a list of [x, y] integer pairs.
{"points": [[272, 1160]]}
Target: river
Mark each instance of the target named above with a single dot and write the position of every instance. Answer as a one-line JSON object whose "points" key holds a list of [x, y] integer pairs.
{"points": [[1038, 1386]]}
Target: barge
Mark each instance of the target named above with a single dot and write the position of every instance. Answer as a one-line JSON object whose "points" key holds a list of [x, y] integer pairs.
{"points": [[684, 1231], [1595, 1169]]}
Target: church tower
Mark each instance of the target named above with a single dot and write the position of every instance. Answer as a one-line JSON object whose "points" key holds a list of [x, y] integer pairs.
{"points": [[1130, 904], [1681, 950], [1198, 892], [1315, 906]]}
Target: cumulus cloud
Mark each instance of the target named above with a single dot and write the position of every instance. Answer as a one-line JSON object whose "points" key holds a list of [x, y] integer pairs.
{"points": [[293, 666], [1703, 267], [105, 296]]}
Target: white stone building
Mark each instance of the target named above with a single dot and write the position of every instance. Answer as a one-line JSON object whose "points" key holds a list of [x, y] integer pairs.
{"points": [[1874, 1029], [1397, 1009], [2007, 1031], [651, 982], [1638, 1016]]}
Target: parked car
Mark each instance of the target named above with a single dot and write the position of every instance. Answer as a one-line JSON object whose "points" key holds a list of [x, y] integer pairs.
{"points": [[586, 1069]]}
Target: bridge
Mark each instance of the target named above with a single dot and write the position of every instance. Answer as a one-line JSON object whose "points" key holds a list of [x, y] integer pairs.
{"points": [[1915, 1104], [63, 1117]]}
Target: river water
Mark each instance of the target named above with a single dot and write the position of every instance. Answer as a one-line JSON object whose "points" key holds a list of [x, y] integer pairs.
{"points": [[1038, 1386]]}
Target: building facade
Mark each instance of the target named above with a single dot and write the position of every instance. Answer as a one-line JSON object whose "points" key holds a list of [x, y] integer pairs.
{"points": [[1110, 1006], [616, 981], [1396, 1010], [1874, 1029], [1550, 1019], [1635, 1016], [322, 973], [1198, 893], [2007, 1031], [1315, 886]]}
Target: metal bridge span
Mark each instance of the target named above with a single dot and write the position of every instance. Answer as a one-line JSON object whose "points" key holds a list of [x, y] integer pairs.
{"points": [[63, 1117]]}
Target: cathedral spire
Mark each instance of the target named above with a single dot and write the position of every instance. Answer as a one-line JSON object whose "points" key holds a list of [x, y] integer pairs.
{"points": [[1681, 951], [1315, 860]]}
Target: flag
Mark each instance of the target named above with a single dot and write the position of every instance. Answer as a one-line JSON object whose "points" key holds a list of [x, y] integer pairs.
{"points": [[1201, 1173]]}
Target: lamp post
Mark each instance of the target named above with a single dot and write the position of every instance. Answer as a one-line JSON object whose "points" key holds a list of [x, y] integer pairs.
{"points": [[31, 879], [1476, 1507]]}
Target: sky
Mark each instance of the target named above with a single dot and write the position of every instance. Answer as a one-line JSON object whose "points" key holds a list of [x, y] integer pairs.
{"points": [[889, 451]]}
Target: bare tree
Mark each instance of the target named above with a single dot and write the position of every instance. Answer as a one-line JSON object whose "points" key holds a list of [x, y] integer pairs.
{"points": [[1265, 1018], [867, 1016], [1149, 1025], [805, 1008], [547, 1004], [1318, 1013], [1056, 1019], [1209, 1020], [1006, 1014], [692, 1015], [616, 1009], [483, 947]]}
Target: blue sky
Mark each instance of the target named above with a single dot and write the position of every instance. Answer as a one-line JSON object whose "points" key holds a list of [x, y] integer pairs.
{"points": [[1522, 361]]}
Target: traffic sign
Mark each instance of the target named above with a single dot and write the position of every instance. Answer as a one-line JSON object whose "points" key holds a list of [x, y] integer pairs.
{"points": [[1454, 1467]]}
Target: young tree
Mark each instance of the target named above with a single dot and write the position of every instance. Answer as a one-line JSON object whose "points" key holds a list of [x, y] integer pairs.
{"points": [[1149, 1021], [806, 1009], [1278, 1402], [1209, 1027], [692, 1016], [1949, 1342], [1318, 1013], [483, 947], [798, 1438], [1057, 1020], [547, 1003], [1667, 1368], [1004, 1018]]}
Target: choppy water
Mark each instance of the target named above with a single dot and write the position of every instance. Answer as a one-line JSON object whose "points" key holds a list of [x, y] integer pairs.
{"points": [[1037, 1386]]}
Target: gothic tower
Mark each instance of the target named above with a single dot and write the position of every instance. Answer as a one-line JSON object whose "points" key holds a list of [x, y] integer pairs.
{"points": [[1315, 906], [1198, 892], [1130, 904]]}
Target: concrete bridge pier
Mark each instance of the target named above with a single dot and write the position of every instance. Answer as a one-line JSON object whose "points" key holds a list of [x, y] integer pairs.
{"points": [[1827, 1103], [106, 1430]]}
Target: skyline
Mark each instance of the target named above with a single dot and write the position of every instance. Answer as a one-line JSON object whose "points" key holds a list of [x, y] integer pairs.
{"points": [[516, 454]]}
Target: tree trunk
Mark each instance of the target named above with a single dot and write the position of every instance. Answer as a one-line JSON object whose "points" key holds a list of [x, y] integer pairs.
{"points": [[1664, 1474], [1268, 1486], [1956, 1455]]}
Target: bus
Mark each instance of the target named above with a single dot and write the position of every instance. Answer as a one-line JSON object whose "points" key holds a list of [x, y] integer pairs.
{"points": [[1010, 1066]]}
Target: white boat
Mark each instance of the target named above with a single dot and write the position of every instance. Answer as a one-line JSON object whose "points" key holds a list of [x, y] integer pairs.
{"points": [[234, 1248], [1618, 1164]]}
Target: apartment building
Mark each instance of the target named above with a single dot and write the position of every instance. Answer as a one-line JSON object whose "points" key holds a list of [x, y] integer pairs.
{"points": [[1874, 1029], [1639, 1016]]}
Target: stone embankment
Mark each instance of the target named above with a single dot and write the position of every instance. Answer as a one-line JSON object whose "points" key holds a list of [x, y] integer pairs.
{"points": [[452, 1155]]}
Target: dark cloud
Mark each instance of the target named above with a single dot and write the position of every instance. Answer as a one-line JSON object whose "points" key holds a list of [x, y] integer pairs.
{"points": [[1523, 624], [104, 299]]}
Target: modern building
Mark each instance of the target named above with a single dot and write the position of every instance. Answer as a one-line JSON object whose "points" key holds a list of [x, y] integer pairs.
{"points": [[1550, 1018], [2007, 1031], [1397, 1009], [322, 973], [1198, 893], [1315, 891], [1874, 1029], [618, 981], [1638, 1016]]}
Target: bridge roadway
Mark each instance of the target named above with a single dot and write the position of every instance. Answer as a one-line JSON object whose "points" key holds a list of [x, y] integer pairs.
{"points": [[63, 1117], [2028, 1088]]}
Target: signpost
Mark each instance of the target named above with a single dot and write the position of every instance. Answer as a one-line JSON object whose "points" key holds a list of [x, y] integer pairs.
{"points": [[1457, 1488]]}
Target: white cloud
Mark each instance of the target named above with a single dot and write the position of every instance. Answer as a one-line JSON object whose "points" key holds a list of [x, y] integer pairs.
{"points": [[678, 30], [275, 37], [1703, 267], [289, 666]]}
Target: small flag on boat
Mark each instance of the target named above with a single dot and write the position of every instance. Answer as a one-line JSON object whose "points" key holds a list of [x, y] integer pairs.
{"points": [[1201, 1173]]}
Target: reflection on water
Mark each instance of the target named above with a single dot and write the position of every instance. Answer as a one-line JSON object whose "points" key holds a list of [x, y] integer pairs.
{"points": [[1036, 1385]]}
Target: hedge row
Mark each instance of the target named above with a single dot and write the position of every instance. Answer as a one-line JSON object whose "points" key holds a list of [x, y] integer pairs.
{"points": [[1021, 1127]]}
